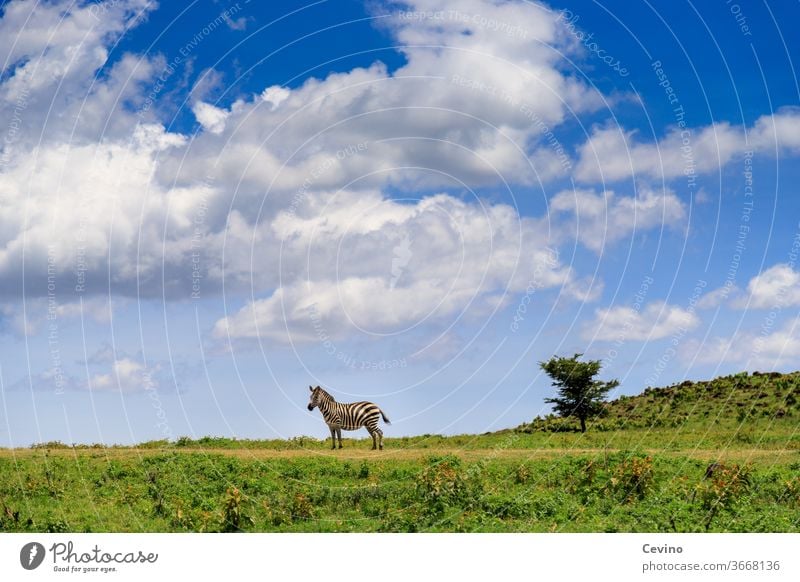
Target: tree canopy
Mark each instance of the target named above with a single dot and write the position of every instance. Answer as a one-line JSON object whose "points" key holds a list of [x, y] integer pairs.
{"points": [[579, 394]]}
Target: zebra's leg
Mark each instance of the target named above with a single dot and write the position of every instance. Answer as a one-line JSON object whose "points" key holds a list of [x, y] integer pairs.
{"points": [[333, 437], [380, 438], [372, 433], [339, 432]]}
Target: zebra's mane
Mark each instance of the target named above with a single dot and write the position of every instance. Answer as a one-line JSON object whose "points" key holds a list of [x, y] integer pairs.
{"points": [[325, 395]]}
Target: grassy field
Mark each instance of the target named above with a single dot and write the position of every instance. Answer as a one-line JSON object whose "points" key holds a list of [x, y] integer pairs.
{"points": [[643, 467]]}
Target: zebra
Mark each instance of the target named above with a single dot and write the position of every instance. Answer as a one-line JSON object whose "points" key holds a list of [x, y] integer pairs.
{"points": [[350, 416]]}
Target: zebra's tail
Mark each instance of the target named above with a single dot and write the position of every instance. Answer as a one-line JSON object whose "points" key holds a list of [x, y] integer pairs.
{"points": [[386, 420]]}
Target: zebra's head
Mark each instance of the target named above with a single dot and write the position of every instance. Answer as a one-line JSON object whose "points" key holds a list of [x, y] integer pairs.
{"points": [[316, 396]]}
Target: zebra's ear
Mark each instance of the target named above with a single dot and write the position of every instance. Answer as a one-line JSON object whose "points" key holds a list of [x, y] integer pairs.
{"points": [[310, 389]]}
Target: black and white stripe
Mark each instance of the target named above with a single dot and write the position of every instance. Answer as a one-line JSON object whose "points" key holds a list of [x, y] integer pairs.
{"points": [[350, 416]]}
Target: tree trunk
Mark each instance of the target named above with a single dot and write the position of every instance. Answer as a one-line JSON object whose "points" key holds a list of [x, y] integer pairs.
{"points": [[583, 424]]}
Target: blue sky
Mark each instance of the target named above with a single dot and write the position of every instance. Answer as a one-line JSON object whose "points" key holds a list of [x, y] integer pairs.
{"points": [[207, 207]]}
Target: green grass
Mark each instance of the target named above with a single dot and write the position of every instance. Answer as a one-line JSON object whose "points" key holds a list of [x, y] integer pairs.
{"points": [[162, 491], [640, 468]]}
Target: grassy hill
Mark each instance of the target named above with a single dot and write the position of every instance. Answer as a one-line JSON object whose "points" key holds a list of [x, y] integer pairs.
{"points": [[735, 403], [642, 467]]}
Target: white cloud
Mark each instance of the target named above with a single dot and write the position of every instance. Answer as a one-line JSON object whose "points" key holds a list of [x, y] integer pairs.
{"points": [[656, 321], [604, 218], [457, 259], [275, 95], [719, 296], [120, 198], [777, 287], [469, 103], [291, 183], [612, 153], [51, 53], [88, 205], [768, 349], [776, 133], [127, 375], [211, 118]]}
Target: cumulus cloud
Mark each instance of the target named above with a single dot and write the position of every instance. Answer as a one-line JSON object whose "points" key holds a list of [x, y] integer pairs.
{"points": [[127, 375], [767, 349], [380, 266], [285, 194], [52, 53], [613, 153], [656, 321], [88, 207], [124, 374], [106, 188], [211, 118], [602, 218], [719, 296], [776, 287]]}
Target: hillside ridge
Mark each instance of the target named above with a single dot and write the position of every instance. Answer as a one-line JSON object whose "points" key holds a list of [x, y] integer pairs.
{"points": [[735, 398]]}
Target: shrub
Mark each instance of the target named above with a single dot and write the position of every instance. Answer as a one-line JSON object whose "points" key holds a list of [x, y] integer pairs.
{"points": [[522, 475], [233, 512], [443, 483], [633, 478], [301, 507], [791, 492], [722, 486]]}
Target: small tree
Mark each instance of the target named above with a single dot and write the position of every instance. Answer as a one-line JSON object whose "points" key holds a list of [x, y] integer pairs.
{"points": [[579, 394]]}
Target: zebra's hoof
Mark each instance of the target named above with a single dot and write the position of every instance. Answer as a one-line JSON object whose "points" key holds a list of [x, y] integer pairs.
{"points": [[381, 448], [341, 447]]}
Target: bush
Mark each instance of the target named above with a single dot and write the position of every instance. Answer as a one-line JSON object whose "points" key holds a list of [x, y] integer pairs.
{"points": [[721, 488], [301, 507], [233, 513], [633, 478], [443, 483], [522, 475]]}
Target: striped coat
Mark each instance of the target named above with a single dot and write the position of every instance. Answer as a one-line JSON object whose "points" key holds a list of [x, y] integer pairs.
{"points": [[348, 416]]}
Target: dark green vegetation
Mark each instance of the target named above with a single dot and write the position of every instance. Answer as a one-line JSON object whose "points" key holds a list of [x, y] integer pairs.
{"points": [[170, 491], [579, 394], [645, 466], [761, 410]]}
